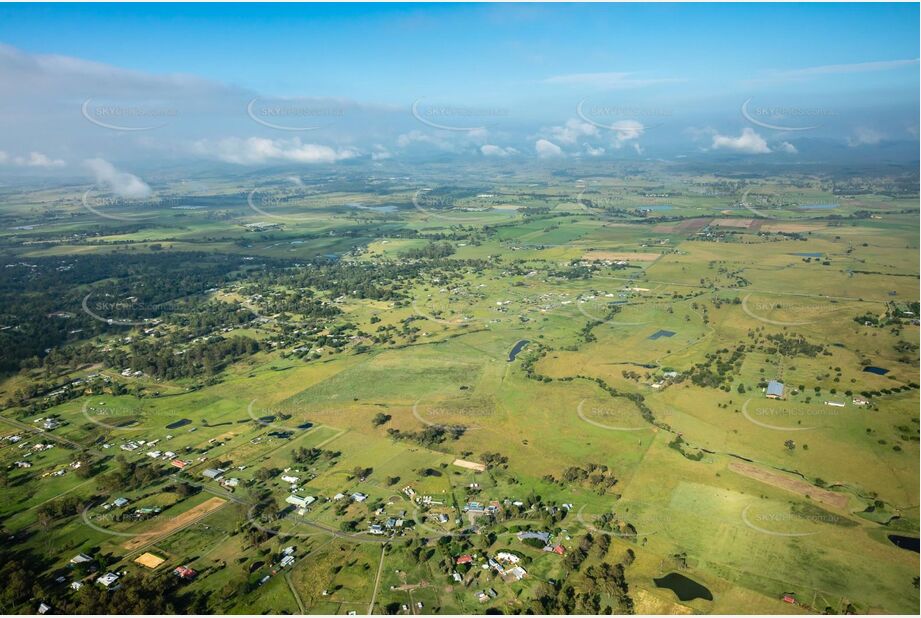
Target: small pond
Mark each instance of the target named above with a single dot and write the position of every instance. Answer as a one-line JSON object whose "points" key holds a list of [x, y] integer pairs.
{"points": [[517, 349], [684, 587], [378, 208], [905, 542], [817, 206]]}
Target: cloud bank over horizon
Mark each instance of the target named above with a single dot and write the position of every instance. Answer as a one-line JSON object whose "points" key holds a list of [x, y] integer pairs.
{"points": [[65, 110]]}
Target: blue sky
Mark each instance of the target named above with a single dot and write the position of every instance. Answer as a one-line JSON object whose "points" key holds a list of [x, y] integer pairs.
{"points": [[855, 65], [376, 52]]}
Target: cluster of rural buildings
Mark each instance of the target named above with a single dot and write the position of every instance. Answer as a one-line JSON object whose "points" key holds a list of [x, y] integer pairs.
{"points": [[505, 564], [31, 449], [775, 390]]}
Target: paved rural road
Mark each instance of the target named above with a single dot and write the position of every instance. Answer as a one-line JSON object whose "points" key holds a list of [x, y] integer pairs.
{"points": [[349, 537], [752, 290], [377, 583]]}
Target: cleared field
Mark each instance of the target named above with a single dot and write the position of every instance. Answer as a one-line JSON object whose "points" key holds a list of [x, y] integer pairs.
{"points": [[629, 257], [167, 527], [796, 486], [791, 227], [470, 465], [740, 223], [149, 560]]}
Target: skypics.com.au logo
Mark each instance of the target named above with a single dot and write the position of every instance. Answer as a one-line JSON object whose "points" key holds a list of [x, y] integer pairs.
{"points": [[806, 312], [785, 118], [127, 116], [295, 115], [456, 117], [127, 209], [776, 416], [620, 416], [127, 311]]}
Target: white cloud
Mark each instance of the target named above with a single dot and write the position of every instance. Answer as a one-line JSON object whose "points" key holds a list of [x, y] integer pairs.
{"points": [[380, 153], [573, 131], [837, 69], [260, 150], [295, 180], [547, 149], [35, 159], [611, 81], [420, 137], [477, 135], [787, 147], [865, 136], [120, 183], [42, 73], [491, 150], [625, 131], [46, 93], [448, 141], [749, 142], [593, 152]]}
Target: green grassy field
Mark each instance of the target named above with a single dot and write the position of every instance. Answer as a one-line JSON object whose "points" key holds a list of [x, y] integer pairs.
{"points": [[670, 418]]}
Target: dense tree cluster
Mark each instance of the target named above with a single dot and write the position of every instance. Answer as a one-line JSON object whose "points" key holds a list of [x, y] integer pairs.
{"points": [[160, 359], [597, 476], [42, 299], [311, 456], [431, 436], [130, 475], [431, 251]]}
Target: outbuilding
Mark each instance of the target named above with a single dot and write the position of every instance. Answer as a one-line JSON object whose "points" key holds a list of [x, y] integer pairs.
{"points": [[774, 390]]}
